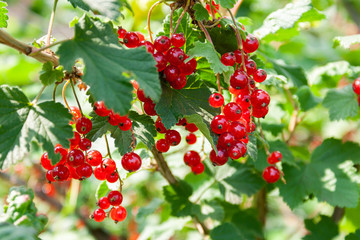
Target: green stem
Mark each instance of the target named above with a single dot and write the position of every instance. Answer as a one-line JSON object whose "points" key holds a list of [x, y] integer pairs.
{"points": [[107, 146], [51, 23], [36, 51], [76, 98], [181, 16], [39, 94]]}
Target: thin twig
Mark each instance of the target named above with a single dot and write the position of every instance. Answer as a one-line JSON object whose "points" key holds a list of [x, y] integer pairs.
{"points": [[39, 94], [262, 135], [207, 35], [51, 23], [107, 146], [181, 16], [76, 98], [148, 19], [37, 50], [63, 94]]}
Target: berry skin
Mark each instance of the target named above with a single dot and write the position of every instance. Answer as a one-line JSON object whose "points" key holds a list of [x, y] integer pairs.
{"points": [[104, 203], [108, 165], [94, 158], [125, 123], [131, 162], [85, 144], [148, 45], [49, 176], [84, 171], [260, 112], [191, 138], [98, 215], [198, 169], [75, 111], [356, 86], [260, 76], [275, 157], [141, 36], [238, 56], [220, 159], [271, 174], [121, 31], [179, 82], [45, 162], [172, 137], [99, 173], [225, 140], [232, 111], [243, 100], [75, 158], [182, 122], [216, 100], [73, 173], [114, 118], [171, 73], [246, 115], [60, 173], [260, 98], [131, 40], [192, 158], [118, 214], [149, 108], [251, 44], [112, 177], [239, 80], [191, 127], [141, 95], [178, 40], [115, 198], [162, 145], [189, 67], [219, 124], [237, 150], [228, 59], [83, 125], [175, 56], [63, 152], [238, 130], [160, 126], [100, 109], [234, 90], [160, 60], [162, 43], [250, 67]]}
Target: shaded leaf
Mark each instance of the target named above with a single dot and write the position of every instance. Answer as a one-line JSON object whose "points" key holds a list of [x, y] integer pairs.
{"points": [[294, 73], [347, 41], [49, 74], [326, 229], [201, 14], [101, 190], [307, 99]]}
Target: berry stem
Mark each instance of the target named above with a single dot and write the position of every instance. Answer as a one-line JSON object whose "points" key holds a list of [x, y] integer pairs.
{"points": [[148, 19], [262, 135], [76, 98], [133, 136], [51, 23], [180, 18], [236, 7], [171, 20], [39, 94], [63, 94], [36, 51], [212, 10], [107, 146], [294, 116], [54, 91], [207, 35], [237, 32]]}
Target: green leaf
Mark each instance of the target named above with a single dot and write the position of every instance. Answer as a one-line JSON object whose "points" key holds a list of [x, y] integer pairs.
{"points": [[144, 128], [100, 126], [108, 8], [353, 236], [101, 190], [248, 224], [178, 196], [324, 230], [201, 14], [95, 42], [252, 149], [307, 99], [148, 209], [13, 232], [224, 38], [226, 231], [207, 51], [227, 3], [294, 73], [204, 127], [49, 74], [342, 103], [123, 140], [3, 14], [22, 121], [273, 128], [284, 23], [329, 176], [175, 104], [347, 41]]}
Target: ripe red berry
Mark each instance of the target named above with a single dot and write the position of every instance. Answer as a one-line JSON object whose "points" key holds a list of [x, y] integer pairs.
{"points": [[121, 31], [172, 137], [238, 130], [83, 125], [198, 169], [228, 59], [251, 44], [75, 111], [45, 162], [114, 118], [131, 40], [274, 157], [60, 173], [104, 203], [160, 60], [115, 198], [98, 215], [260, 98], [118, 214], [84, 171], [75, 158], [191, 127], [108, 165], [171, 73], [234, 90], [148, 45], [232, 111], [191, 138], [271, 174], [220, 158], [74, 142], [141, 95], [250, 67], [356, 86], [219, 124], [238, 56], [125, 123], [112, 177], [225, 140], [73, 173], [192, 158], [85, 144], [246, 115], [131, 162], [182, 122], [237, 150], [179, 82], [162, 145], [175, 56], [149, 108], [216, 100], [260, 112], [49, 176], [160, 126], [141, 36], [260, 76], [94, 158], [178, 40], [63, 152], [100, 109], [239, 80], [189, 67], [243, 100], [99, 173], [162, 43]]}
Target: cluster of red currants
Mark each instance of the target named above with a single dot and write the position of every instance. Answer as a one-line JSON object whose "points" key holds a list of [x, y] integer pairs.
{"points": [[356, 88], [193, 160], [271, 174], [123, 122], [117, 213]]}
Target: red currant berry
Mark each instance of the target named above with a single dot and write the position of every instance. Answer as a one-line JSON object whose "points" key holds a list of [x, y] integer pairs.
{"points": [[131, 40], [178, 40], [251, 127], [98, 215], [260, 76], [189, 67], [141, 95], [234, 90], [215, 7], [60, 173], [245, 139], [182, 122], [99, 173], [121, 31], [141, 36], [251, 44], [74, 142], [271, 174], [162, 43], [175, 56], [246, 115], [75, 158], [104, 203], [172, 137], [238, 130], [239, 80], [356, 86], [232, 111], [243, 100], [114, 118], [148, 45], [192, 158], [149, 108], [237, 150], [83, 125], [112, 177], [225, 140], [131, 162], [179, 82], [260, 112], [63, 152], [84, 171], [260, 98], [198, 169], [191, 127], [219, 124], [160, 60], [76, 114], [275, 157], [45, 162], [191, 138], [216, 100], [94, 158], [118, 214], [220, 159], [162, 145], [228, 59], [100, 109], [160, 126], [238, 56], [73, 173], [171, 73], [85, 144], [125, 123], [108, 165], [250, 67], [49, 176], [115, 198]]}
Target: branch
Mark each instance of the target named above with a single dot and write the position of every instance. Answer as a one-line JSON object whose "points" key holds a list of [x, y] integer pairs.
{"points": [[338, 214], [261, 205], [26, 49]]}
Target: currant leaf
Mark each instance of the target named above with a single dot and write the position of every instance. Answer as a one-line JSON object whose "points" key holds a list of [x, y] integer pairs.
{"points": [[227, 3], [49, 75], [325, 229], [101, 190], [14, 232], [294, 73], [144, 128], [353, 236], [178, 196], [248, 224], [347, 41], [226, 231], [201, 14], [306, 98], [3, 14]]}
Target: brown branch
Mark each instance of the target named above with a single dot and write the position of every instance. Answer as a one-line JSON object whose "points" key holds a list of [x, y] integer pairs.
{"points": [[261, 205], [338, 214], [26, 49]]}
